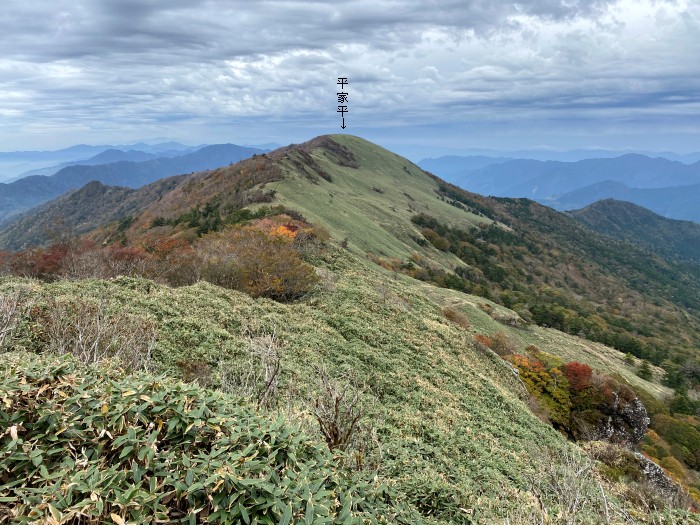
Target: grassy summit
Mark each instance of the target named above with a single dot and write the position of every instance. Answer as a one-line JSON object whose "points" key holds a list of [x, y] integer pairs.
{"points": [[369, 199]]}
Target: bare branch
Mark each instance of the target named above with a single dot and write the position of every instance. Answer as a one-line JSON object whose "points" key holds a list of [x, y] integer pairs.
{"points": [[12, 308], [92, 335], [337, 409]]}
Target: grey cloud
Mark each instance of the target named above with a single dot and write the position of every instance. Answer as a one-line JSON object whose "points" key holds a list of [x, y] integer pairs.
{"points": [[44, 30], [107, 65]]}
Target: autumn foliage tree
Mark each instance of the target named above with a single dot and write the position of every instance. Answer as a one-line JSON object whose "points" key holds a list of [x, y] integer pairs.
{"points": [[578, 374], [41, 263], [549, 387], [254, 261], [263, 259], [580, 402]]}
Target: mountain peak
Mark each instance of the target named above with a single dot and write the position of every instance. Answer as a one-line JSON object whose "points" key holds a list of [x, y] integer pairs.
{"points": [[637, 225]]}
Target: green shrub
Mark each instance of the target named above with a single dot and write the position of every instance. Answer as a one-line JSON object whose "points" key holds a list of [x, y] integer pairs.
{"points": [[680, 433], [82, 445], [644, 371]]}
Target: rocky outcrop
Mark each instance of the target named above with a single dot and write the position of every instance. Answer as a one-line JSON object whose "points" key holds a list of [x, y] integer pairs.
{"points": [[655, 476], [625, 419], [637, 469]]}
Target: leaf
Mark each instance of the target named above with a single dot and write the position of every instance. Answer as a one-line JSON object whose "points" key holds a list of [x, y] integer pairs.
{"points": [[117, 519], [309, 516], [287, 516], [194, 488], [244, 513]]}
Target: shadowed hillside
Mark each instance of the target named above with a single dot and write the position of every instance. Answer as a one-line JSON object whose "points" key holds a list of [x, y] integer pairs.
{"points": [[632, 223], [678, 202]]}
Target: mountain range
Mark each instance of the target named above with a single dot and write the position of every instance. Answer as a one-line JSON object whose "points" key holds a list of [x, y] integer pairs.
{"points": [[33, 190], [15, 164], [573, 155], [107, 156], [669, 188]]}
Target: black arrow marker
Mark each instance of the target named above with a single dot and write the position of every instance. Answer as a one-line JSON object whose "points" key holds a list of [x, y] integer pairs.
{"points": [[343, 126]]}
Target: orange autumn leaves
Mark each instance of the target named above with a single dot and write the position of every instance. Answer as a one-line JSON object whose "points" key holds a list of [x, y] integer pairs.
{"points": [[262, 259], [260, 262]]}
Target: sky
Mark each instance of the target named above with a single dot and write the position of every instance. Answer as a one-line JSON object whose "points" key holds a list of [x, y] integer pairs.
{"points": [[424, 76]]}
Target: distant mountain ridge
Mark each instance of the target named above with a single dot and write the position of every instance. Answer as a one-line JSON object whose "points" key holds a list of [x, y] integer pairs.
{"points": [[669, 188], [637, 225], [86, 150], [31, 191], [574, 155], [17, 164], [455, 165], [106, 157], [678, 202]]}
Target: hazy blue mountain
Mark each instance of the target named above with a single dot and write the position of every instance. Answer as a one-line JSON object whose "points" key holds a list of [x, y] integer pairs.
{"points": [[573, 155], [83, 151], [452, 164], [680, 202], [17, 164], [541, 180], [637, 225], [669, 188], [31, 191], [79, 151], [106, 157]]}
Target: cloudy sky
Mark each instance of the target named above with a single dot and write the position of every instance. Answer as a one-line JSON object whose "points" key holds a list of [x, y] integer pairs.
{"points": [[424, 75]]}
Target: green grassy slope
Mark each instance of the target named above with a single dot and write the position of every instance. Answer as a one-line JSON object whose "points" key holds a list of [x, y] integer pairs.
{"points": [[456, 438], [351, 207], [356, 189], [568, 347]]}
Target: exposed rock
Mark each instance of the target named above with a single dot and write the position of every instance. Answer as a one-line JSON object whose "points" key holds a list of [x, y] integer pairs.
{"points": [[625, 418], [635, 468], [655, 475]]}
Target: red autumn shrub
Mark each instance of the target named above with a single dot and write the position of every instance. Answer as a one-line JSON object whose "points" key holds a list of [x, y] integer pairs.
{"points": [[548, 386], [578, 374], [41, 263], [5, 258]]}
